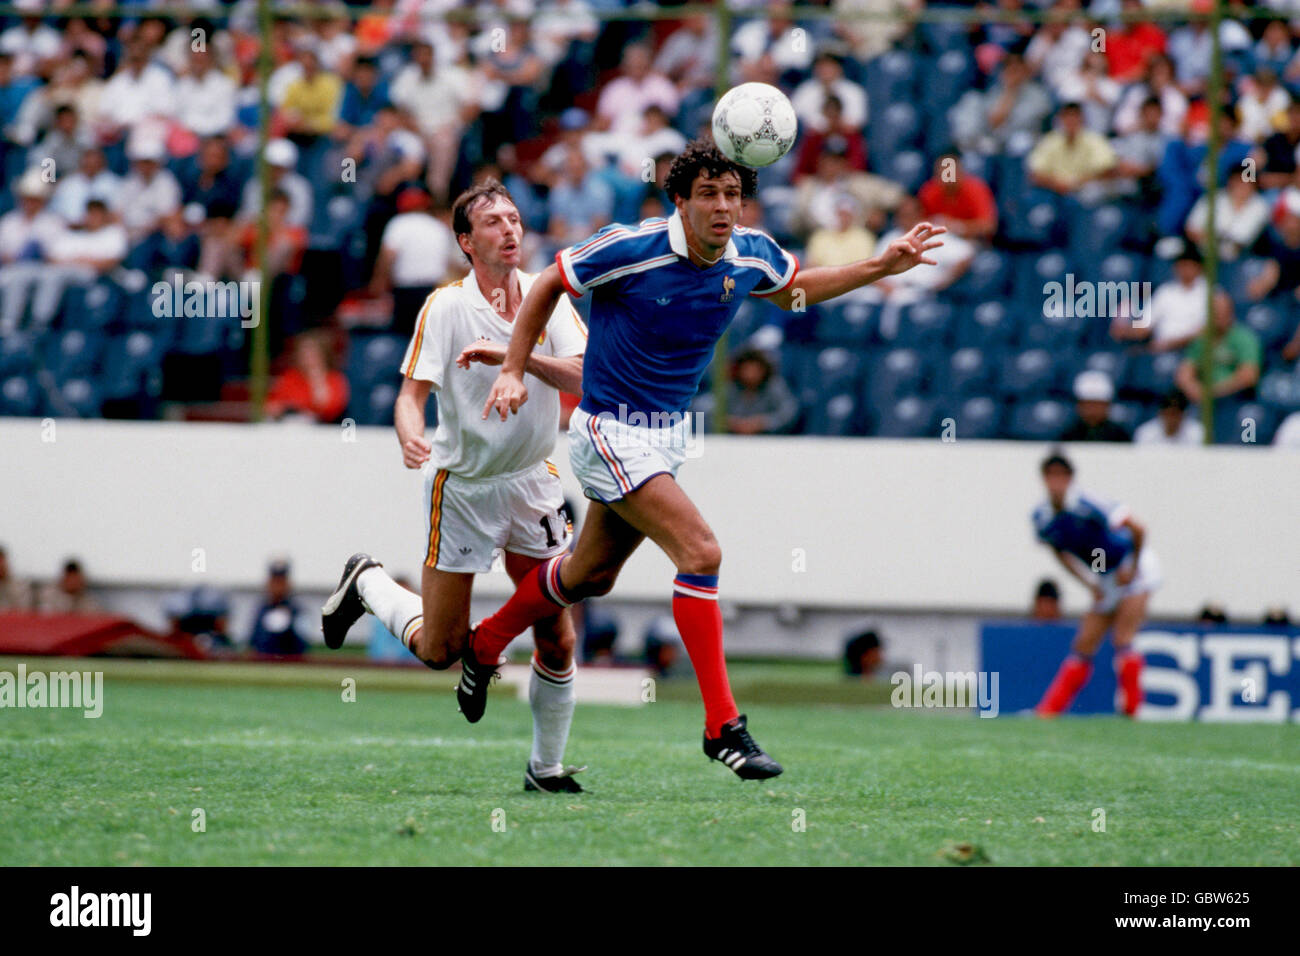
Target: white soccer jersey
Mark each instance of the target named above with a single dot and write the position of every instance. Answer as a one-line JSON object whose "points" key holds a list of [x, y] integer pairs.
{"points": [[454, 317]]}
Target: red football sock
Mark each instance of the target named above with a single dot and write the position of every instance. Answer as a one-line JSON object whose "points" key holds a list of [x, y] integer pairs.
{"points": [[699, 621], [1074, 673], [538, 596], [1128, 668]]}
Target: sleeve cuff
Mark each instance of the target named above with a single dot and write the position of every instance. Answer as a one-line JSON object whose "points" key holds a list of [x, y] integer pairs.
{"points": [[567, 276], [789, 280]]}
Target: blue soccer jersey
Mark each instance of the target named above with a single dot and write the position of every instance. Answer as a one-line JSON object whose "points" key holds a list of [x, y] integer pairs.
{"points": [[1085, 526], [655, 317]]}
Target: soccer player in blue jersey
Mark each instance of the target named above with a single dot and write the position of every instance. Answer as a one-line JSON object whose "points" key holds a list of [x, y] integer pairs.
{"points": [[662, 293], [1104, 546]]}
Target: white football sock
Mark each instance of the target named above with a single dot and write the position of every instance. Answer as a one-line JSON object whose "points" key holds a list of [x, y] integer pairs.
{"points": [[551, 697], [400, 611]]}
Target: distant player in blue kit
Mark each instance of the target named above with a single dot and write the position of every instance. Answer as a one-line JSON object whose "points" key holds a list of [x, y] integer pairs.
{"points": [[663, 292], [1104, 546]]}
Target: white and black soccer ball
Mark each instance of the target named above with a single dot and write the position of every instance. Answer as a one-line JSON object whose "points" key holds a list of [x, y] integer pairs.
{"points": [[754, 124]]}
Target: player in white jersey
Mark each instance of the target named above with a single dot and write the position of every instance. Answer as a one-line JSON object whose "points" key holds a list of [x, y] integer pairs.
{"points": [[486, 489]]}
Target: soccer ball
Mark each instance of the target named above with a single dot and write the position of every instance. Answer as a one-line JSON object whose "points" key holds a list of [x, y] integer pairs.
{"points": [[754, 124]]}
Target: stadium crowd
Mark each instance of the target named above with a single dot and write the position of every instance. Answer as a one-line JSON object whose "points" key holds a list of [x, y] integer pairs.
{"points": [[1071, 153]]}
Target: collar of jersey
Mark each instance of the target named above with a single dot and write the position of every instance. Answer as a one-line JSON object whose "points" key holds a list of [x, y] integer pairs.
{"points": [[475, 294], [677, 240]]}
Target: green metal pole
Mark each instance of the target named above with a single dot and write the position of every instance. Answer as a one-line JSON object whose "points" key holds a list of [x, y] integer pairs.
{"points": [[1205, 368], [259, 358], [721, 83]]}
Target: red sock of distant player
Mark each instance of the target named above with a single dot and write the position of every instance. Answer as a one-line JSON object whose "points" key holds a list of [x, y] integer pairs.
{"points": [[538, 596], [699, 621], [1128, 670], [1074, 673]]}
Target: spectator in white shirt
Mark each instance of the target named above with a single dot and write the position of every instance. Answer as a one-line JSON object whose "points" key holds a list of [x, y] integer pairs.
{"points": [[656, 138], [1160, 84], [1240, 216], [282, 158], [205, 97], [139, 90], [416, 253], [688, 56], [78, 257], [828, 80], [1058, 48], [149, 191], [770, 46], [442, 98], [1263, 100], [92, 180], [1176, 313], [26, 237], [623, 101], [1172, 425], [33, 45]]}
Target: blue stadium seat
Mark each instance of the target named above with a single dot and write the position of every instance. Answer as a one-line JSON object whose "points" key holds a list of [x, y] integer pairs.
{"points": [[1242, 274], [1027, 374], [1152, 376], [377, 405], [81, 397], [892, 375], [852, 324], [1114, 364], [838, 370], [1040, 420], [1272, 322], [926, 324], [131, 365], [73, 353], [100, 306], [835, 415], [1122, 267], [1130, 414], [1281, 390], [373, 358], [890, 78], [979, 417], [909, 417], [985, 326], [18, 396], [943, 36], [987, 278], [1235, 421], [17, 352], [968, 372], [908, 169], [1095, 232], [1058, 333], [1033, 273], [895, 126]]}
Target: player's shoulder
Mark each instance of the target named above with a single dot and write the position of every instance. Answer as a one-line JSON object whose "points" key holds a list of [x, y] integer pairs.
{"points": [[750, 238], [450, 295], [647, 233], [1041, 516]]}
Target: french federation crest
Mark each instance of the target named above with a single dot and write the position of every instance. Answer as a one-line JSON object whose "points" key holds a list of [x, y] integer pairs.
{"points": [[728, 284]]}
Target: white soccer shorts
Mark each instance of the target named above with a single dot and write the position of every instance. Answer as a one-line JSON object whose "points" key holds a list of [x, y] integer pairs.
{"points": [[612, 458], [467, 521], [1146, 580]]}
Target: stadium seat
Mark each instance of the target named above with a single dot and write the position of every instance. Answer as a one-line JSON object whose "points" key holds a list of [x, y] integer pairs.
{"points": [[986, 279], [1130, 414], [1122, 267], [1272, 322], [1150, 377], [1095, 232], [908, 169], [1241, 276], [378, 406], [131, 365], [833, 416], [1114, 364], [1281, 390], [81, 397], [17, 351], [1030, 282], [852, 324], [1027, 374], [73, 353], [968, 372], [101, 305], [943, 36], [837, 370], [372, 358], [893, 129], [1235, 422], [1061, 334], [18, 396], [890, 78], [1040, 420], [926, 324], [892, 375], [985, 326], [909, 417], [979, 417]]}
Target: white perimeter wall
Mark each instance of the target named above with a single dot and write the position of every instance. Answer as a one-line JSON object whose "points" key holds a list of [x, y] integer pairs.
{"points": [[880, 524]]}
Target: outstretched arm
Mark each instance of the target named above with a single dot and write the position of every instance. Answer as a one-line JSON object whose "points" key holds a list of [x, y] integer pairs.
{"points": [[826, 282], [508, 391], [564, 374]]}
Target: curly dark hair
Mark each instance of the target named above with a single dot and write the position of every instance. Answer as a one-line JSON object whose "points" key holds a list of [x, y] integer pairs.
{"points": [[703, 156]]}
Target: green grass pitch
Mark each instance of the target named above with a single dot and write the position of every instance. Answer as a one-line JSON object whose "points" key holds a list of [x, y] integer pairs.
{"points": [[288, 773]]}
